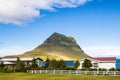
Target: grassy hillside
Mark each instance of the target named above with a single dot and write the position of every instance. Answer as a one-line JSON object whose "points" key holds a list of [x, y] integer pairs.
{"points": [[55, 52], [57, 46]]}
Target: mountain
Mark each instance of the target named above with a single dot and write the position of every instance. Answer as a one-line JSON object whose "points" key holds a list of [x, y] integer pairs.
{"points": [[57, 46]]}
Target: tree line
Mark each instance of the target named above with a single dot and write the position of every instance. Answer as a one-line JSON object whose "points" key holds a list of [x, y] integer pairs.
{"points": [[53, 64], [58, 65], [19, 66]]}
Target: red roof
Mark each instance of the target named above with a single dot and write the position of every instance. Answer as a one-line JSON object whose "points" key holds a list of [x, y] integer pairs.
{"points": [[105, 58]]}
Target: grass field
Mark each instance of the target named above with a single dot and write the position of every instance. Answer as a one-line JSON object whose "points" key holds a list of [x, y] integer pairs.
{"points": [[29, 76]]}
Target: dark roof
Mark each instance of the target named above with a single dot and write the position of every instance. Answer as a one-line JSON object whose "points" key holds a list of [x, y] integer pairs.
{"points": [[40, 59], [105, 58]]}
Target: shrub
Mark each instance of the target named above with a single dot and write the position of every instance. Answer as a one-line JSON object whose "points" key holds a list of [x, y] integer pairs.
{"points": [[112, 69], [102, 69], [76, 64], [118, 69], [92, 69], [70, 68], [88, 69], [84, 69], [7, 69], [1, 66], [87, 63]]}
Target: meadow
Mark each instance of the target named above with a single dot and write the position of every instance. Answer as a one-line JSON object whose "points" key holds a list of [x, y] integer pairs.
{"points": [[29, 76]]}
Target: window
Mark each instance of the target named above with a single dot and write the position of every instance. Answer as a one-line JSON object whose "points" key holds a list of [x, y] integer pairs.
{"points": [[95, 64]]}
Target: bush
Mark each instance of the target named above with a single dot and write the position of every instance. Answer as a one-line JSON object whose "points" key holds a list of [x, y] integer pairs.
{"points": [[7, 69], [70, 68], [41, 68], [112, 69], [76, 64], [1, 66], [88, 69], [92, 69], [118, 69], [1, 69], [102, 69], [84, 69], [87, 63]]}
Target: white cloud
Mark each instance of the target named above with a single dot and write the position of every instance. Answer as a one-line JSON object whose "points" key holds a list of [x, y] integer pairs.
{"points": [[102, 51], [14, 50], [19, 11]]}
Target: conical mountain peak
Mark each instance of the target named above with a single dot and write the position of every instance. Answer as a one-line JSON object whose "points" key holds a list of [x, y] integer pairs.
{"points": [[57, 39], [57, 46]]}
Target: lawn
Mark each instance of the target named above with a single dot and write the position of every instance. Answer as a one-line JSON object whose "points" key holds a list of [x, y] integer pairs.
{"points": [[29, 76]]}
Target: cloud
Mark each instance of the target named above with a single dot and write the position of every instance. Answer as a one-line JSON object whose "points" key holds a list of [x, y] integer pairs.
{"points": [[13, 50], [102, 51], [20, 11]]}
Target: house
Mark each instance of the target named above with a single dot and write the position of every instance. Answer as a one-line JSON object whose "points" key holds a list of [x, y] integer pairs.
{"points": [[100, 62], [12, 61]]}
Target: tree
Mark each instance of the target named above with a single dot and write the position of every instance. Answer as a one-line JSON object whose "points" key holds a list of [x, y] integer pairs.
{"points": [[47, 63], [87, 63], [22, 67], [7, 69], [55, 64], [1, 66], [27, 65], [34, 64], [76, 64], [18, 65], [61, 64]]}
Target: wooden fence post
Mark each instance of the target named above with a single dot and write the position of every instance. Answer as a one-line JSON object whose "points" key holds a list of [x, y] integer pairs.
{"points": [[46, 71], [61, 71]]}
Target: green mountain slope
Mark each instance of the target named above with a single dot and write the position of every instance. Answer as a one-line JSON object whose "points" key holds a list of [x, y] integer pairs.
{"points": [[57, 46]]}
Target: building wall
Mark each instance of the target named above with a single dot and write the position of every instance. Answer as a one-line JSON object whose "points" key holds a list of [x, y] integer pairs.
{"points": [[69, 63], [118, 63], [38, 62], [43, 63], [101, 64], [92, 61], [80, 66], [107, 65]]}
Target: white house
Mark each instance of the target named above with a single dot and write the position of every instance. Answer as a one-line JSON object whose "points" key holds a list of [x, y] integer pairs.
{"points": [[12, 61], [100, 62]]}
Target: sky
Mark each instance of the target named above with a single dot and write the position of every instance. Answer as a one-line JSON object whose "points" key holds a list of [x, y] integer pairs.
{"points": [[95, 24]]}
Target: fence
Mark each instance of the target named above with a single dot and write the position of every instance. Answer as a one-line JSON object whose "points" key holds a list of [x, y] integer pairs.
{"points": [[74, 72]]}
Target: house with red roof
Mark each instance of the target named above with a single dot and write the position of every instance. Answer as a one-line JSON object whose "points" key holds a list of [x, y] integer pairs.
{"points": [[100, 62]]}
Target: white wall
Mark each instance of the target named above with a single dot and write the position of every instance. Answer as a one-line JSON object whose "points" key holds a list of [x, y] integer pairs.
{"points": [[38, 62], [80, 66], [101, 64], [107, 65], [82, 61]]}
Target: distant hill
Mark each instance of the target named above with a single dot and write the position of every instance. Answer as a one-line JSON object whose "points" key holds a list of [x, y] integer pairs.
{"points": [[57, 46]]}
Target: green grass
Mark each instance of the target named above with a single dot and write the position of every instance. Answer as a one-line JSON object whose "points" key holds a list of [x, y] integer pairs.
{"points": [[29, 76]]}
